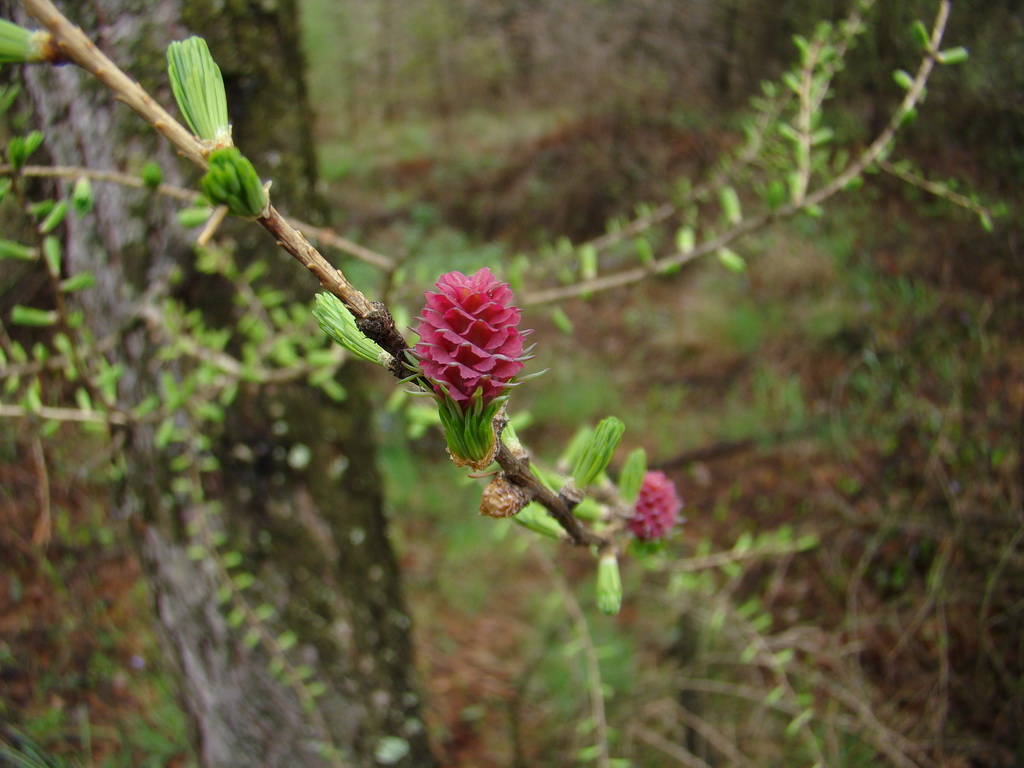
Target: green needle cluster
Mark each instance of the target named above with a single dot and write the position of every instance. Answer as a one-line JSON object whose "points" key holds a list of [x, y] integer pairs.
{"points": [[232, 181], [15, 43], [337, 322], [597, 453], [198, 88]]}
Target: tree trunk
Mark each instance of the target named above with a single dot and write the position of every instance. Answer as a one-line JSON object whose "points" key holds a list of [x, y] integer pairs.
{"points": [[314, 536]]}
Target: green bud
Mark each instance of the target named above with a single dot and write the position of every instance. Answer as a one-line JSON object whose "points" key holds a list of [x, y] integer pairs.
{"points": [[822, 136], [730, 202], [536, 518], [562, 321], [198, 88], [609, 585], [232, 181], [632, 475], [22, 315], [903, 79], [919, 32], [597, 453], [77, 282], [588, 262], [686, 239], [589, 509], [193, 217], [152, 175], [775, 195], [52, 254], [12, 250], [644, 250], [731, 260], [956, 55], [54, 218], [337, 322], [81, 196], [20, 148]]}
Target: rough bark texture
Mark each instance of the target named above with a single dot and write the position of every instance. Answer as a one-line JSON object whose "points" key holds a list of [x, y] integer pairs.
{"points": [[315, 538]]}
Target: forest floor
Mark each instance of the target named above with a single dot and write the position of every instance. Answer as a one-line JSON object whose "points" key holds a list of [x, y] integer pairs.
{"points": [[861, 383]]}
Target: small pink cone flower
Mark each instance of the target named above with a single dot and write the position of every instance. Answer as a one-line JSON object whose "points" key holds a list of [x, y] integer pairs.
{"points": [[470, 350], [468, 337], [657, 508]]}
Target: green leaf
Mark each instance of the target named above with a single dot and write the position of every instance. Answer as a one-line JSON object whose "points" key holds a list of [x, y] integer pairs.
{"points": [[730, 202], [198, 88], [644, 250], [152, 175], [919, 32], [81, 196], [686, 239], [287, 640], [337, 321], [903, 79], [561, 321], [244, 581], [164, 433], [20, 148], [15, 43], [52, 252], [232, 181], [589, 509], [536, 518], [251, 638], [775, 195], [632, 475], [12, 250], [232, 559], [598, 451], [54, 217], [193, 217], [78, 282], [821, 136], [609, 585], [956, 55], [40, 318], [731, 260], [588, 262]]}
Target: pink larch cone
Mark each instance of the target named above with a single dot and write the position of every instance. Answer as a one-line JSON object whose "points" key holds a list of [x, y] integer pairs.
{"points": [[468, 337], [657, 508]]}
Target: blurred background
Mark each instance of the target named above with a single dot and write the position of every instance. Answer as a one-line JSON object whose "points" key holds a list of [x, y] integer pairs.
{"points": [[842, 418]]}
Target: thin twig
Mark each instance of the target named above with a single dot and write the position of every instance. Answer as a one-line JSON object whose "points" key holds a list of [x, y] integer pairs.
{"points": [[44, 524], [677, 752], [579, 620], [934, 188], [518, 471], [323, 235], [63, 414]]}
